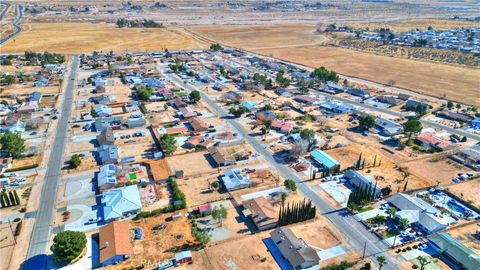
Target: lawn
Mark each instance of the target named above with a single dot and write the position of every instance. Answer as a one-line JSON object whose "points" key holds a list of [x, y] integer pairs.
{"points": [[365, 209]]}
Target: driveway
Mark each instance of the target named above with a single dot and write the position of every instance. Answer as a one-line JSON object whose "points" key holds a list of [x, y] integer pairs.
{"points": [[79, 189], [80, 212]]}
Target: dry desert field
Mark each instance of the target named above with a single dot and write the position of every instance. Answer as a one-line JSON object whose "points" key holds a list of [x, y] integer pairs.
{"points": [[87, 37], [300, 44]]}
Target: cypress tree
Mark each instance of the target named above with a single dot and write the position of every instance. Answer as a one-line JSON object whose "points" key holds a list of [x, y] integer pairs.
{"points": [[375, 161], [16, 196], [369, 192], [374, 191], [2, 201], [359, 161], [7, 199], [405, 186], [12, 198], [363, 163]]}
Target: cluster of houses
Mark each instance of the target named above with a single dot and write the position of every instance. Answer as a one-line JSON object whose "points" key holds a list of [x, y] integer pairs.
{"points": [[463, 39]]}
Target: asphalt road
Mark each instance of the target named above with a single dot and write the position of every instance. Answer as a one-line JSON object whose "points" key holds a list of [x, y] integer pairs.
{"points": [[15, 24], [355, 232], [36, 256], [397, 114]]}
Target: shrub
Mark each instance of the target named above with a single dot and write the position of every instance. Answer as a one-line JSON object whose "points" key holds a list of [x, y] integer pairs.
{"points": [[18, 230], [409, 248], [398, 251], [23, 210], [415, 246], [17, 219], [415, 266], [404, 250]]}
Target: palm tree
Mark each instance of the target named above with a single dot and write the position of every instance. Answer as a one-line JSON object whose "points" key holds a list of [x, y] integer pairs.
{"points": [[381, 261]]}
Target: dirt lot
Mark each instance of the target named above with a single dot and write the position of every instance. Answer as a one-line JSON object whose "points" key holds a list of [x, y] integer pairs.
{"points": [[162, 245], [386, 174], [466, 235], [247, 252], [6, 243], [86, 37], [316, 234], [467, 190]]}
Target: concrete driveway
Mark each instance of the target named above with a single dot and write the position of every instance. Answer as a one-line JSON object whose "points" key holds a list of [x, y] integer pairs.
{"points": [[80, 212]]}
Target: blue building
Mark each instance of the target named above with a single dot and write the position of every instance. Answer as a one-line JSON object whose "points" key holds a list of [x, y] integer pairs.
{"points": [[121, 202], [475, 124], [326, 162]]}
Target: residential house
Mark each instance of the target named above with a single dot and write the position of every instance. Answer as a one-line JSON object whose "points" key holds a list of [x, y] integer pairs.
{"points": [[205, 209], [334, 88], [419, 212], [306, 99], [336, 107], [413, 104], [29, 107], [388, 127], [233, 179], [103, 111], [199, 142], [388, 99], [358, 92], [107, 177], [222, 157], [250, 105], [219, 87], [475, 124], [178, 103], [100, 89], [358, 180], [262, 212], [454, 251], [106, 137], [41, 82], [198, 125], [294, 249], [265, 115], [470, 157], [104, 99], [102, 123], [114, 244], [282, 126], [282, 92], [326, 162], [35, 96], [133, 122], [121, 202], [107, 154], [186, 112], [460, 117], [431, 141]]}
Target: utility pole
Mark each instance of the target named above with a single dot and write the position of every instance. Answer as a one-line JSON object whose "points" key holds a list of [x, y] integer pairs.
{"points": [[13, 233], [364, 249]]}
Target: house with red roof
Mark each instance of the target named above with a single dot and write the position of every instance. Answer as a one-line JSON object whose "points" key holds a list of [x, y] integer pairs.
{"points": [[115, 243], [430, 140]]}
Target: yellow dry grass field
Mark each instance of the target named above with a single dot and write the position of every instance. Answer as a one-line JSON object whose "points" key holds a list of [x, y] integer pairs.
{"points": [[87, 37], [457, 83], [300, 44], [261, 36]]}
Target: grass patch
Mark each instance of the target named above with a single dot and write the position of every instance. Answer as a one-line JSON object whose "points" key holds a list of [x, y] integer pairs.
{"points": [[365, 209]]}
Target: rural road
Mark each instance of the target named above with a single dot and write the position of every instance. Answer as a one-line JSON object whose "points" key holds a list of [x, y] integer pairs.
{"points": [[356, 233], [36, 257], [15, 24]]}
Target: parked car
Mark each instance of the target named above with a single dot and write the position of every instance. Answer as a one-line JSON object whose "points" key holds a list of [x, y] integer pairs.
{"points": [[20, 179], [12, 174], [93, 220]]}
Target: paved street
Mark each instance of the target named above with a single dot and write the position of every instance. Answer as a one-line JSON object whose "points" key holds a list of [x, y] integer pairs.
{"points": [[356, 233], [36, 257]]}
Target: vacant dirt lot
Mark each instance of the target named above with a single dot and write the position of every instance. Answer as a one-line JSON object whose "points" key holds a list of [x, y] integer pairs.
{"points": [[408, 25], [468, 191], [86, 37], [466, 235]]}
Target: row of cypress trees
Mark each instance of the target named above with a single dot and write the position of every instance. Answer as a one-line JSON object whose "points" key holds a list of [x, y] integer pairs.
{"points": [[297, 212], [362, 196], [9, 199]]}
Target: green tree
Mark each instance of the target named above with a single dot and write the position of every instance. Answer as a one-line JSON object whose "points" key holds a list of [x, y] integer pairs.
{"points": [[9, 79], [12, 198], [322, 74], [391, 211], [75, 161], [201, 236], [216, 47], [168, 144], [216, 185], [290, 184], [283, 198], [412, 126], [17, 198], [403, 223], [237, 111], [381, 261], [144, 93], [366, 122], [219, 214], [68, 245], [194, 96], [450, 105], [93, 113], [309, 136], [12, 143]]}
